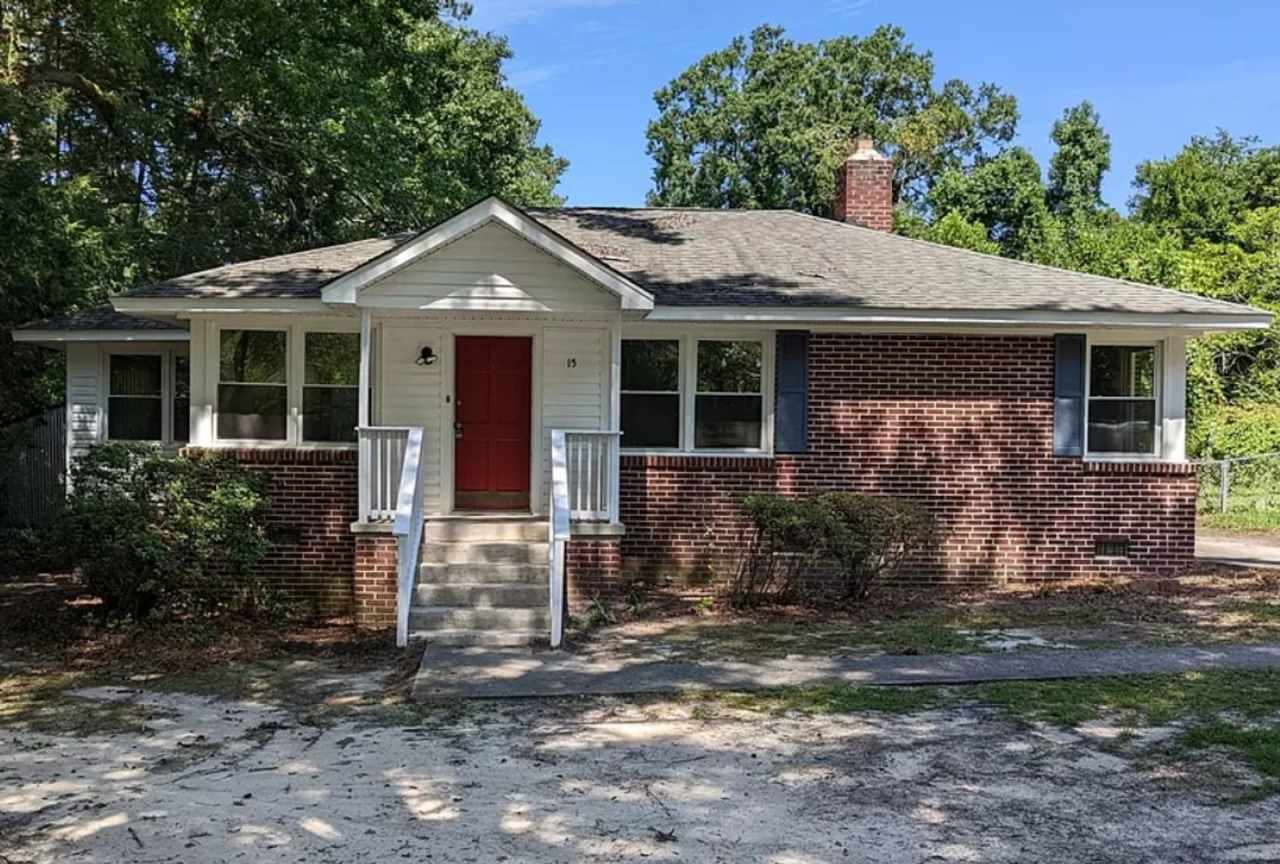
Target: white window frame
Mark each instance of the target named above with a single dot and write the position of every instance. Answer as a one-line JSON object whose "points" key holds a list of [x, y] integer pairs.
{"points": [[1157, 397], [295, 347], [166, 356], [689, 340]]}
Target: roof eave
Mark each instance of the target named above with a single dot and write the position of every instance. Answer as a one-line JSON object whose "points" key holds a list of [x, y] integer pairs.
{"points": [[53, 337], [1197, 322]]}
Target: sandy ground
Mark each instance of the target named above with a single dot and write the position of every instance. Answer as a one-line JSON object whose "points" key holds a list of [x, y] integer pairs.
{"points": [[207, 780]]}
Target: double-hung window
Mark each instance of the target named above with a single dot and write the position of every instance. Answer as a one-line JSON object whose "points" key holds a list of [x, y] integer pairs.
{"points": [[651, 415], [1124, 386], [331, 391], [691, 394], [148, 396], [253, 392], [728, 409], [135, 397]]}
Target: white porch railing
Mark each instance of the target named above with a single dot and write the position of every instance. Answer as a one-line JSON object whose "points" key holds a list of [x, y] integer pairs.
{"points": [[382, 450], [393, 489], [584, 487], [592, 461]]}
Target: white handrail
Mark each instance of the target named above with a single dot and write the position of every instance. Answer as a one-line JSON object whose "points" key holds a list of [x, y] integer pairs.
{"points": [[381, 462], [407, 528], [559, 533]]}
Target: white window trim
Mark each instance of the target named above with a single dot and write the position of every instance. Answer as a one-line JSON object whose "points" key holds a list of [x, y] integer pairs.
{"points": [[167, 390], [688, 340], [295, 374], [1157, 398]]}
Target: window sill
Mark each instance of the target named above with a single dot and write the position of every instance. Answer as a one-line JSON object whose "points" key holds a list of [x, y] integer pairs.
{"points": [[700, 454]]}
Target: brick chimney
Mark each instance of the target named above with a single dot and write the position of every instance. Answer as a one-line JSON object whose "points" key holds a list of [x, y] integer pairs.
{"points": [[864, 187]]}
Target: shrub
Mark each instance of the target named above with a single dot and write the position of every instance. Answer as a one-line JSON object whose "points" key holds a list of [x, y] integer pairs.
{"points": [[148, 530], [871, 535], [863, 538]]}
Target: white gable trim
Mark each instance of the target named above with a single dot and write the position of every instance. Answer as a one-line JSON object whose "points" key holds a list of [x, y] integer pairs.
{"points": [[346, 288]]}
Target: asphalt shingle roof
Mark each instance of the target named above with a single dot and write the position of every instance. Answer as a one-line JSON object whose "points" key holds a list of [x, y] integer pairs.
{"points": [[100, 318], [748, 258]]}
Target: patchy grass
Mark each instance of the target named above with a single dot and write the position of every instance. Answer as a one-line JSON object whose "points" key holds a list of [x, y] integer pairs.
{"points": [[1210, 606], [1240, 522], [830, 699], [1141, 700], [41, 703], [1258, 745]]}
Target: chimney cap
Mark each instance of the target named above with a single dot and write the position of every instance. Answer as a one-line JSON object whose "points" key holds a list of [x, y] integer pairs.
{"points": [[864, 149]]}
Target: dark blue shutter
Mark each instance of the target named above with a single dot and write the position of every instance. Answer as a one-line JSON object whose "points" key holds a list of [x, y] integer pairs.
{"points": [[791, 404], [1068, 394]]}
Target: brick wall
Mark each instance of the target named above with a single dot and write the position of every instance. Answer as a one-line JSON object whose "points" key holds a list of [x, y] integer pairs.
{"points": [[592, 568], [963, 423], [375, 580], [314, 499]]}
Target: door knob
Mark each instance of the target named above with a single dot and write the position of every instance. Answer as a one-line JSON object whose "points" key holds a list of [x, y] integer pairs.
{"points": [[457, 429]]}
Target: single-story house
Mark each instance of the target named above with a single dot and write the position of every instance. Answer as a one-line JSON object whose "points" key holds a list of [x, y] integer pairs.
{"points": [[574, 398]]}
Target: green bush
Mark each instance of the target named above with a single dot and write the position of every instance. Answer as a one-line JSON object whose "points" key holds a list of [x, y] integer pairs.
{"points": [[1242, 430], [27, 551], [150, 531], [863, 538]]}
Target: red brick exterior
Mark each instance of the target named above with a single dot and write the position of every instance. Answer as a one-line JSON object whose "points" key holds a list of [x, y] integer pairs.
{"points": [[963, 423], [864, 191], [375, 580], [314, 499], [593, 568]]}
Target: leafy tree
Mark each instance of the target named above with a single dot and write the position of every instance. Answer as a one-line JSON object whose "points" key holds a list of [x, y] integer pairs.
{"points": [[1207, 187], [1004, 194], [145, 138], [764, 122], [1077, 167]]}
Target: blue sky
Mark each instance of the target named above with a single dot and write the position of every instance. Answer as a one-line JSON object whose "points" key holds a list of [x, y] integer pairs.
{"points": [[1158, 72]]}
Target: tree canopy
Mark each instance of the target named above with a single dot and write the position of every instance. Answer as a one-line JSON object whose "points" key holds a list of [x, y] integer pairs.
{"points": [[765, 121], [147, 138]]}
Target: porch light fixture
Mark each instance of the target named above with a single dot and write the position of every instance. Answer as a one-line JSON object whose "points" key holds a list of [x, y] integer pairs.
{"points": [[427, 357]]}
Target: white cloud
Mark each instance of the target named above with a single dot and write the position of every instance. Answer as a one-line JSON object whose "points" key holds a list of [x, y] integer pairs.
{"points": [[499, 14], [531, 76], [846, 7]]}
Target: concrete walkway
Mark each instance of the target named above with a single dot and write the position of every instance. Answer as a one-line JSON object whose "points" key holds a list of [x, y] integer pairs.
{"points": [[483, 673], [1240, 550]]}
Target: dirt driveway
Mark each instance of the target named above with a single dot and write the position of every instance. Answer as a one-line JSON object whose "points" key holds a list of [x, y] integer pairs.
{"points": [[203, 780]]}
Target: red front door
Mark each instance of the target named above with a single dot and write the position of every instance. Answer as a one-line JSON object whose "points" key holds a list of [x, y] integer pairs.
{"points": [[492, 394]]}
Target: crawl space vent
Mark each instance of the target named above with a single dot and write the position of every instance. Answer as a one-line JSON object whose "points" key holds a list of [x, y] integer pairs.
{"points": [[1111, 547]]}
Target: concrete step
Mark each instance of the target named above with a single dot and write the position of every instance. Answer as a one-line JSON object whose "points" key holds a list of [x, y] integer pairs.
{"points": [[494, 552], [486, 528], [482, 619], [452, 574], [485, 638], [507, 595]]}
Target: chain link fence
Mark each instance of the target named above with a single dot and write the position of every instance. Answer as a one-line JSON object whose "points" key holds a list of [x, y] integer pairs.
{"points": [[1241, 490]]}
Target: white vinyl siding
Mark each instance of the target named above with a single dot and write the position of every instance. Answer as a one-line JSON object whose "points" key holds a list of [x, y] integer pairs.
{"points": [[413, 395], [575, 386], [490, 269], [84, 397]]}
